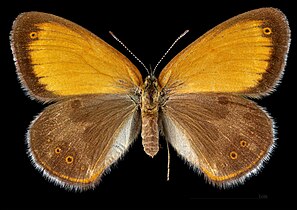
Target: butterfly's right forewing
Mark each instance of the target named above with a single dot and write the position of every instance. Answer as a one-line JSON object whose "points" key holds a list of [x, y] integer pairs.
{"points": [[244, 55]]}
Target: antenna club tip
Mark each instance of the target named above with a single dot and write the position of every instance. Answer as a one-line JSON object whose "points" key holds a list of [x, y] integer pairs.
{"points": [[112, 34], [186, 31]]}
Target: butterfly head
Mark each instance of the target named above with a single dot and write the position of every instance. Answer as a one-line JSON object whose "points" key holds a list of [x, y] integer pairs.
{"points": [[150, 82]]}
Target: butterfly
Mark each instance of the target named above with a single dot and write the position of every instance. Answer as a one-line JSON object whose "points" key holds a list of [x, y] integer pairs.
{"points": [[200, 102]]}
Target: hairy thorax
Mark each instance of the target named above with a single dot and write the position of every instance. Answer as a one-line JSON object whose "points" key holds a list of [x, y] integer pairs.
{"points": [[149, 114]]}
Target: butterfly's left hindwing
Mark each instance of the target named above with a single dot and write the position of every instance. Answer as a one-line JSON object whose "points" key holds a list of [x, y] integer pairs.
{"points": [[74, 141]]}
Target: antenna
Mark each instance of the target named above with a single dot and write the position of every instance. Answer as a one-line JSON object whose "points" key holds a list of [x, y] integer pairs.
{"points": [[178, 38], [116, 38]]}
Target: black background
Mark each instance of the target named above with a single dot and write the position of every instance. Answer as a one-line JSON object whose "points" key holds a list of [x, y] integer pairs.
{"points": [[148, 28]]}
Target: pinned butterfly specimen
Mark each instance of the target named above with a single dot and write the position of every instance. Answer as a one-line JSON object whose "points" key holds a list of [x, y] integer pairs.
{"points": [[200, 101]]}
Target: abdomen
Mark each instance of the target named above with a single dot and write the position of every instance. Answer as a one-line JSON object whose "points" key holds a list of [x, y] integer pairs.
{"points": [[150, 133]]}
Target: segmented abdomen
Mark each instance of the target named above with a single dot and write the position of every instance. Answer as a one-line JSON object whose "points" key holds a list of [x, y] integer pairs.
{"points": [[150, 133]]}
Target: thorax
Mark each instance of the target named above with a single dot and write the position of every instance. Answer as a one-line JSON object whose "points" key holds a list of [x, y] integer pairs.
{"points": [[150, 95]]}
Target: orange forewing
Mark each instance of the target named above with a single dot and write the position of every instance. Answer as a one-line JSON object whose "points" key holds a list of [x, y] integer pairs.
{"points": [[244, 55], [57, 58]]}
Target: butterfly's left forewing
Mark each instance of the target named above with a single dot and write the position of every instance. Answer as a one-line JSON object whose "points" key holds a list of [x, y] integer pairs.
{"points": [[56, 58]]}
